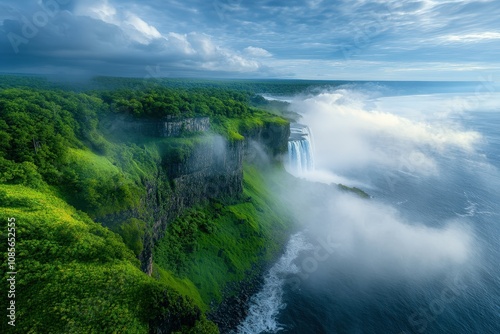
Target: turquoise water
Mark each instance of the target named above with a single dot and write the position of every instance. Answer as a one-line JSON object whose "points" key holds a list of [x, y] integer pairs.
{"points": [[437, 270]]}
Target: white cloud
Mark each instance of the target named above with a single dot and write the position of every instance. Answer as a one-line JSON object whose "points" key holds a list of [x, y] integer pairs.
{"points": [[98, 10], [136, 28], [472, 38], [204, 44], [232, 62], [377, 239], [350, 40], [257, 52], [146, 32], [179, 43], [314, 3]]}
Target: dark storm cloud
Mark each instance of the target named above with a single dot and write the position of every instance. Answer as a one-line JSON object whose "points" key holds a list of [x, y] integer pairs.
{"points": [[243, 38]]}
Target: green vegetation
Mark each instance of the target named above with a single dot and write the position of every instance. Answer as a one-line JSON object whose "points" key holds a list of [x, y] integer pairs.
{"points": [[272, 86], [56, 137], [75, 276], [160, 102], [229, 110], [132, 232], [65, 165]]}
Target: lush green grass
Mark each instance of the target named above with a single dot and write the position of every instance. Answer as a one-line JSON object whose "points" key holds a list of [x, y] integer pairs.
{"points": [[181, 285], [75, 276], [220, 243], [94, 184], [91, 163], [235, 128]]}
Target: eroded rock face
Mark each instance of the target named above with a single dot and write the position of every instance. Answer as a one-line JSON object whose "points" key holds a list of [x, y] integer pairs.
{"points": [[173, 128], [168, 127], [272, 137]]}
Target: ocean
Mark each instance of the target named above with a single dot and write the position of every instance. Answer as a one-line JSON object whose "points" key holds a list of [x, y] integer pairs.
{"points": [[422, 255]]}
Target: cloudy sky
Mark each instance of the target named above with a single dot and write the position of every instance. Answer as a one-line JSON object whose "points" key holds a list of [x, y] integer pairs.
{"points": [[308, 39]]}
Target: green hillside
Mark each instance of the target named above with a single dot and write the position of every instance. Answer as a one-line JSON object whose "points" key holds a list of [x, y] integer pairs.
{"points": [[78, 188]]}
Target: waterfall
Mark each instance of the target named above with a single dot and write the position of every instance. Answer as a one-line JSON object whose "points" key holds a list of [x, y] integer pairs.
{"points": [[300, 150]]}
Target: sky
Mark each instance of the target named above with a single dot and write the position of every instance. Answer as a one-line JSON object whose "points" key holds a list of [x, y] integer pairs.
{"points": [[309, 39]]}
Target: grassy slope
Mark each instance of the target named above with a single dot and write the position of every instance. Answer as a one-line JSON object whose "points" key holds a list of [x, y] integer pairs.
{"points": [[95, 184], [95, 276], [75, 276], [62, 252]]}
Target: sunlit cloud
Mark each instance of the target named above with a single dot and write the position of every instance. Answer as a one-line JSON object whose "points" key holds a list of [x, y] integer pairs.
{"points": [[147, 31]]}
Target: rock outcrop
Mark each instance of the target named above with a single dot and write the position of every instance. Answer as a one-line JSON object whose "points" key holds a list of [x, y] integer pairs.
{"points": [[273, 137], [173, 128], [167, 127]]}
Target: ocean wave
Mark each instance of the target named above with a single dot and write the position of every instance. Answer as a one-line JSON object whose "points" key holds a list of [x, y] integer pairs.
{"points": [[266, 304]]}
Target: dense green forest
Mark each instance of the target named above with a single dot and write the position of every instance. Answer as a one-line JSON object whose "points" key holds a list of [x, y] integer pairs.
{"points": [[65, 169], [54, 137], [270, 86]]}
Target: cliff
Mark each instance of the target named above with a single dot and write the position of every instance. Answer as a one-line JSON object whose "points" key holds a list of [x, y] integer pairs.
{"points": [[172, 127], [209, 168], [213, 169], [272, 136], [166, 127]]}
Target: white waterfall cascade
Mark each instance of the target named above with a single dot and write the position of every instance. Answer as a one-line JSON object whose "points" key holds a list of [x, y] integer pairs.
{"points": [[300, 150]]}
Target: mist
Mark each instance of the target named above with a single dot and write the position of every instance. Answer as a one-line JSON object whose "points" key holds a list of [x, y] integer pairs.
{"points": [[412, 251], [355, 131], [355, 134]]}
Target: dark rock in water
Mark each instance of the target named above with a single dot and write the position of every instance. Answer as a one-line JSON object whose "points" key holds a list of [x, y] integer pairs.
{"points": [[234, 307]]}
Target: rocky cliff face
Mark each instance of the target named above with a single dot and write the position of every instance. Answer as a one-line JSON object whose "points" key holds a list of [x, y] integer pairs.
{"points": [[172, 128], [213, 169], [272, 137], [168, 127]]}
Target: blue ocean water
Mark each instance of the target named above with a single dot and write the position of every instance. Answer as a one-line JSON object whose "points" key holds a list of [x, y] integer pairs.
{"points": [[336, 296]]}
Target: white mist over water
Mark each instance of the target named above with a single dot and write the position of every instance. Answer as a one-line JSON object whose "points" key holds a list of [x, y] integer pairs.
{"points": [[374, 240], [358, 140], [353, 132], [356, 132]]}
